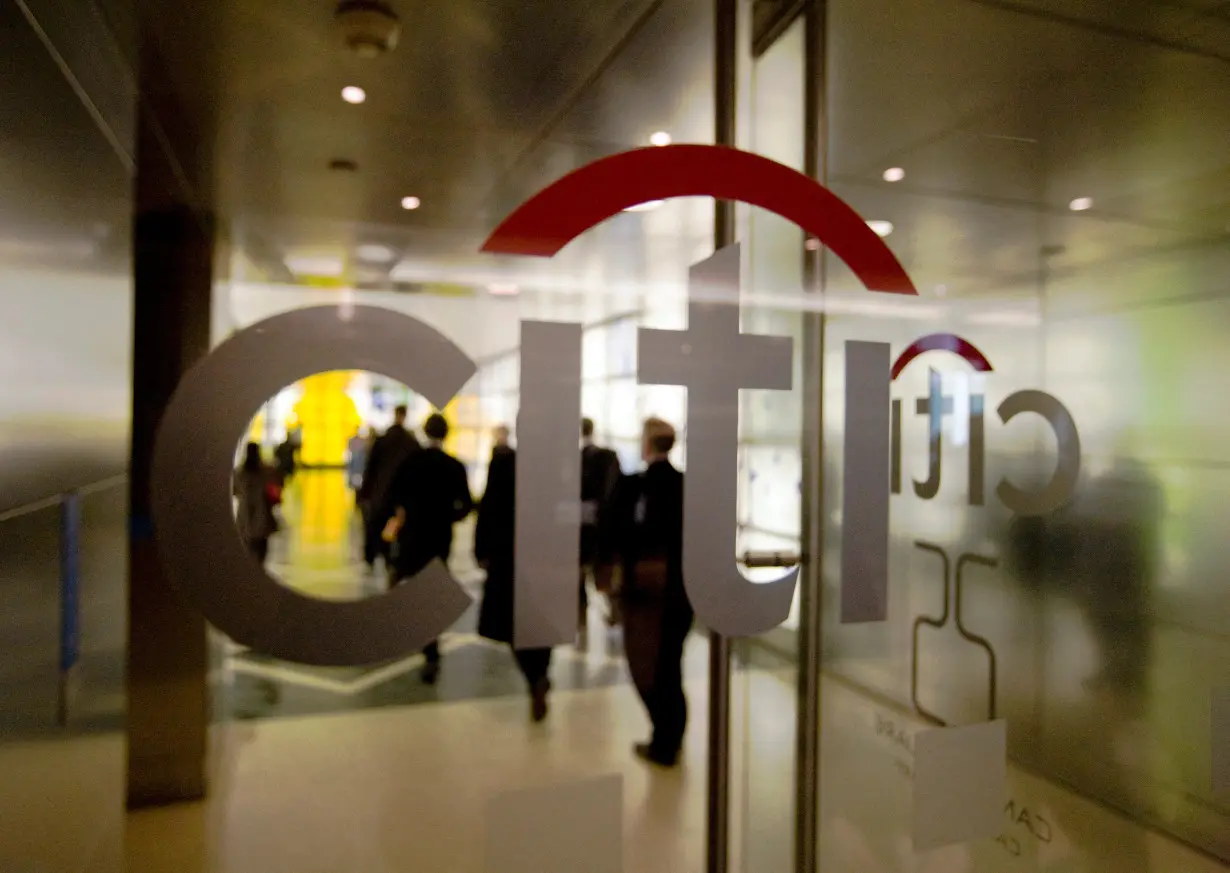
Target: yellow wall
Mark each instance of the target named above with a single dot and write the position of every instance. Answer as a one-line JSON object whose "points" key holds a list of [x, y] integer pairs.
{"points": [[328, 419]]}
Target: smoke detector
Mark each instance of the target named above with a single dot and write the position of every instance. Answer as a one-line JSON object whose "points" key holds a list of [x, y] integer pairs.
{"points": [[369, 28]]}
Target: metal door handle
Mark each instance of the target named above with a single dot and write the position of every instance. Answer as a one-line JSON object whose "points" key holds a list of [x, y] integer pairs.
{"points": [[770, 559]]}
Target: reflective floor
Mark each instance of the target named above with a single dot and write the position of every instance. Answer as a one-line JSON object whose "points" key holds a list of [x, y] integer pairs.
{"points": [[372, 770]]}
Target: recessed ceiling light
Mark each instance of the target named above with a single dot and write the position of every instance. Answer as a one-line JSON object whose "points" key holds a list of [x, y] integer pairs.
{"points": [[894, 174], [315, 265], [353, 94], [647, 206], [411, 203], [1080, 204], [661, 138], [882, 228], [376, 254]]}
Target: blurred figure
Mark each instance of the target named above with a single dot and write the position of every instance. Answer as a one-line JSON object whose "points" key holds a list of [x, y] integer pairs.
{"points": [[356, 459], [1118, 524], [284, 456], [430, 493], [258, 492], [383, 461], [644, 536], [599, 475], [494, 539], [501, 438]]}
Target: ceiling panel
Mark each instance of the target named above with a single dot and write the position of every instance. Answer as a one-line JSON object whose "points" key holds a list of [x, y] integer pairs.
{"points": [[49, 147]]}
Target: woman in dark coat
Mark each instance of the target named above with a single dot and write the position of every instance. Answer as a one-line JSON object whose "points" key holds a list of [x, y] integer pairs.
{"points": [[494, 546]]}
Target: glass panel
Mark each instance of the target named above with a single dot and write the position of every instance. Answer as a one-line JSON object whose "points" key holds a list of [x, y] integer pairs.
{"points": [[66, 311], [439, 165], [770, 435], [1051, 225]]}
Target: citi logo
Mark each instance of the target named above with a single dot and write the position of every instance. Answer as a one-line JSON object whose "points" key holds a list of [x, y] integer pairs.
{"points": [[967, 408], [712, 358], [873, 432]]}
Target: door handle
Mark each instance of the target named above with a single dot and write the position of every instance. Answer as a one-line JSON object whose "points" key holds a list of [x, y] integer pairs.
{"points": [[752, 560]]}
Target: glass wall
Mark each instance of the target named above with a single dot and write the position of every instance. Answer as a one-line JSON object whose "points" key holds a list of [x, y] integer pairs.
{"points": [[1053, 178], [66, 310]]}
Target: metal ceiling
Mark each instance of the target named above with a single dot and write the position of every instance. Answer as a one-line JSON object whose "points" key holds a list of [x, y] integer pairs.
{"points": [[1003, 112]]}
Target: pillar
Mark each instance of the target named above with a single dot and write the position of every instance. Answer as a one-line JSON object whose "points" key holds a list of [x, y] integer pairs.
{"points": [[173, 265]]}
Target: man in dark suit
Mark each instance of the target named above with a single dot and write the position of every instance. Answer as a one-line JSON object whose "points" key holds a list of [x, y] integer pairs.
{"points": [[430, 493], [387, 454], [644, 536], [599, 476]]}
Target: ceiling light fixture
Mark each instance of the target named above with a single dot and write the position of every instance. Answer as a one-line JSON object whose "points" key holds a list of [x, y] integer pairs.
{"points": [[411, 203], [882, 228], [503, 289], [309, 264], [354, 94], [375, 254], [1080, 204], [894, 174], [647, 206], [661, 138], [369, 28]]}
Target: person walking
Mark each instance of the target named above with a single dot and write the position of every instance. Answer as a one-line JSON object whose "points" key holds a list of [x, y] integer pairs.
{"points": [[257, 491], [494, 549], [387, 453], [599, 475], [645, 538], [430, 493]]}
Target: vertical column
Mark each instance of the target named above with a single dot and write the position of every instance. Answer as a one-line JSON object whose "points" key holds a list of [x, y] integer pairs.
{"points": [[725, 89], [807, 731], [173, 260]]}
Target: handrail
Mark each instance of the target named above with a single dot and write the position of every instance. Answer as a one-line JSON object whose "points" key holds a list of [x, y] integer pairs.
{"points": [[753, 560], [57, 499], [69, 504]]}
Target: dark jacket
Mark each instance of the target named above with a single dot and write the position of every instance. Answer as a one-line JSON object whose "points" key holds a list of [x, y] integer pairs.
{"points": [[646, 523], [494, 546], [432, 488], [388, 452], [599, 477]]}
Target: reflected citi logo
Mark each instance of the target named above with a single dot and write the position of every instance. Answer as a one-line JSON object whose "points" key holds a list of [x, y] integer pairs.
{"points": [[712, 358], [966, 407]]}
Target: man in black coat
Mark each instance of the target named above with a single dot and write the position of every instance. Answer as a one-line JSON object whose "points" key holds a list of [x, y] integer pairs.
{"points": [[494, 549], [599, 475], [644, 537], [430, 493], [386, 456]]}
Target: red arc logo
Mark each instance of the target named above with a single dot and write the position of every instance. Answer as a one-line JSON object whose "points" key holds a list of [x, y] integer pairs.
{"points": [[567, 208]]}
